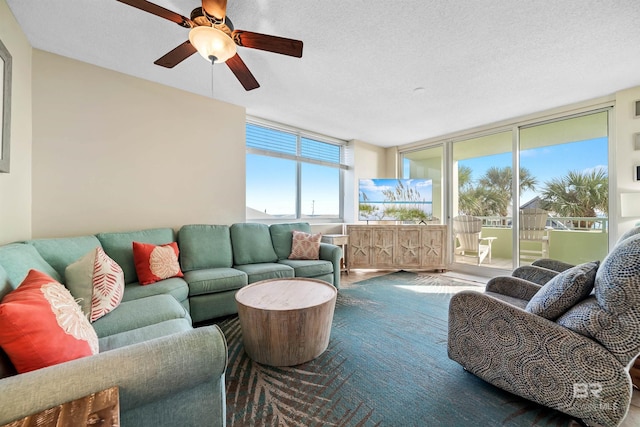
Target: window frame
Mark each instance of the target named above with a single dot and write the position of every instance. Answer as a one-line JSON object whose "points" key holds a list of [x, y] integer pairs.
{"points": [[299, 160]]}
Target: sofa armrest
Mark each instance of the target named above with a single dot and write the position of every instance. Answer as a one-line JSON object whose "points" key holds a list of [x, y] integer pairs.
{"points": [[539, 275], [552, 264], [537, 359], [513, 287], [155, 379], [333, 253]]}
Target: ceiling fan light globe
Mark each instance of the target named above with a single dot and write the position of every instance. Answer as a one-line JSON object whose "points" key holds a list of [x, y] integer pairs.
{"points": [[211, 42]]}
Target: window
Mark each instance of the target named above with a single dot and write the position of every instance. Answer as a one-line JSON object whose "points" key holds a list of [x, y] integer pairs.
{"points": [[292, 175]]}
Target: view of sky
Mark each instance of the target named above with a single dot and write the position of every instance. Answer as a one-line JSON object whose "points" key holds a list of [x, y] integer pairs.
{"points": [[271, 187], [271, 181], [549, 162]]}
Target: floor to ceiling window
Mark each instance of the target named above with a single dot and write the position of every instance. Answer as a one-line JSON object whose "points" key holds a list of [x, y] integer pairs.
{"points": [[565, 166], [482, 188], [561, 188]]}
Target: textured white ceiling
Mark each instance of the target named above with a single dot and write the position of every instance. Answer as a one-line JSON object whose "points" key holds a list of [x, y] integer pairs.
{"points": [[477, 61]]}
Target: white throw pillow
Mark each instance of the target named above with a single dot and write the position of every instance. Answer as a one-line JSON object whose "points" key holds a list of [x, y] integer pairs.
{"points": [[96, 282]]}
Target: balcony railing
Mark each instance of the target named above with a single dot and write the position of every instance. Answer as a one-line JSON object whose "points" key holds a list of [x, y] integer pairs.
{"points": [[569, 223], [571, 239]]}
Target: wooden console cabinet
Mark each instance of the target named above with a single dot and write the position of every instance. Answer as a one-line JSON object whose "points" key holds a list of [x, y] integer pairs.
{"points": [[408, 247]]}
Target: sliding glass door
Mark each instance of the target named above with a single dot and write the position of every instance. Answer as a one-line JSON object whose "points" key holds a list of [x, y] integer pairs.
{"points": [[555, 206], [481, 207], [564, 189]]}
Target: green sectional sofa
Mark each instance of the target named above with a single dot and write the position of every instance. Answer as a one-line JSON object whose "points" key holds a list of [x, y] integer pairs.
{"points": [[168, 372]]}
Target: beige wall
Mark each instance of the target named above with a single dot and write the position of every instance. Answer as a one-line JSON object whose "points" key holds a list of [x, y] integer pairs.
{"points": [[113, 152], [626, 157], [369, 161], [15, 187]]}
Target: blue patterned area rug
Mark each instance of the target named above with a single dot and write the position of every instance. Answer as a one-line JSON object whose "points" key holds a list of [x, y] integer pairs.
{"points": [[386, 365]]}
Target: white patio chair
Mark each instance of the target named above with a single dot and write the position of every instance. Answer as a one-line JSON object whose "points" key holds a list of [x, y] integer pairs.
{"points": [[468, 232], [533, 228]]}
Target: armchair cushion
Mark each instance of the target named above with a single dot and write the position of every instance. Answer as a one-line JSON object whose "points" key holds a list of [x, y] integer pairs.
{"points": [[583, 318], [564, 291]]}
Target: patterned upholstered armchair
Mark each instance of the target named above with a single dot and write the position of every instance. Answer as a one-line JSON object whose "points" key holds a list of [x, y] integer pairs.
{"points": [[567, 344]]}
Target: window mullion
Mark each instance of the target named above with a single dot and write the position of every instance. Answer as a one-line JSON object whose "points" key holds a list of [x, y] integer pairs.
{"points": [[298, 178]]}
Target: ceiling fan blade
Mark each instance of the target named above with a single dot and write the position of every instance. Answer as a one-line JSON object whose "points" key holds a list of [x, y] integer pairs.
{"points": [[215, 8], [160, 11], [269, 43], [177, 55], [239, 68]]}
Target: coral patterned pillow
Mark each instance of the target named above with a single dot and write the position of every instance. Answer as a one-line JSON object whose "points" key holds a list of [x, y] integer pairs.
{"points": [[96, 282], [41, 325], [305, 245], [154, 263]]}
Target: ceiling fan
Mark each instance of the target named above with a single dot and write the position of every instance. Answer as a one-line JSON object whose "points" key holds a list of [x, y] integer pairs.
{"points": [[213, 36]]}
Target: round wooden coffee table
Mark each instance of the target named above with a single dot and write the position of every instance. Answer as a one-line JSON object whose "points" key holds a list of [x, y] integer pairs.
{"points": [[286, 322]]}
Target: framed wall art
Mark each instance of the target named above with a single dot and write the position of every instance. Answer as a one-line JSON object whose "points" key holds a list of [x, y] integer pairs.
{"points": [[5, 107]]}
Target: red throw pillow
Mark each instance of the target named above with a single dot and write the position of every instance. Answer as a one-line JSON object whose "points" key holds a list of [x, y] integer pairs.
{"points": [[156, 262], [41, 325], [305, 245]]}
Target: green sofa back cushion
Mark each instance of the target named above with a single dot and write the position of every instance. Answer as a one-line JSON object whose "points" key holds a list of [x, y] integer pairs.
{"points": [[119, 246], [252, 244], [205, 246], [17, 259], [61, 252], [281, 236]]}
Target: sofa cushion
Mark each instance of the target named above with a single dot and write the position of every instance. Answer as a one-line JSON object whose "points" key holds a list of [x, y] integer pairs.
{"points": [[205, 246], [251, 244], [156, 262], [41, 325], [564, 291], [139, 313], [212, 280], [96, 282], [264, 271], [308, 268], [281, 236], [176, 287], [61, 252], [17, 259], [144, 333], [119, 246]]}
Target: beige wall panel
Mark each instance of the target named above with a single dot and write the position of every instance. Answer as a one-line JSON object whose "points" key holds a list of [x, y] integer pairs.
{"points": [[15, 187], [370, 161], [626, 157], [113, 152]]}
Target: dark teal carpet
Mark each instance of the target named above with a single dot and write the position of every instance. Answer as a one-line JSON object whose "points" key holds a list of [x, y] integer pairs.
{"points": [[386, 365]]}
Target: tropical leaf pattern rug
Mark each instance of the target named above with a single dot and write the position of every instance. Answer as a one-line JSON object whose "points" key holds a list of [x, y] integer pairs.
{"points": [[386, 365]]}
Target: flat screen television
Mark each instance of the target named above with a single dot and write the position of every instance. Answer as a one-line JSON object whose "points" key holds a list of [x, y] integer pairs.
{"points": [[395, 199]]}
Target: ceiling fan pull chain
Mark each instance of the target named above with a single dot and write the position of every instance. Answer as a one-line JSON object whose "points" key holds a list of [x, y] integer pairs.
{"points": [[212, 62]]}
